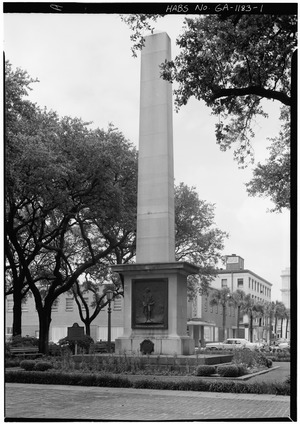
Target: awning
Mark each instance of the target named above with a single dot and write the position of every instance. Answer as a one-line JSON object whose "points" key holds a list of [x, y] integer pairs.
{"points": [[206, 323]]}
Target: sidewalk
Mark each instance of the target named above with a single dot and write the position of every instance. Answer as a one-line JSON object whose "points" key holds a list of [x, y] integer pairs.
{"points": [[36, 402]]}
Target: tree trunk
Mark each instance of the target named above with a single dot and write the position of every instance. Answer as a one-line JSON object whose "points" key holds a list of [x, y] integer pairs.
{"points": [[238, 321], [251, 328], [281, 328], [270, 329], [44, 327], [17, 311], [286, 328], [87, 328], [224, 321]]}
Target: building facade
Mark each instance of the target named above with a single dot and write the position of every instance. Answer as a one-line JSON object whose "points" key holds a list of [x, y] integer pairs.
{"points": [[206, 321], [286, 287], [286, 300], [64, 314]]}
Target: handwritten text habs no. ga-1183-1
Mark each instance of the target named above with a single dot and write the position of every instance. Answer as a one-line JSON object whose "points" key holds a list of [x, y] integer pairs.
{"points": [[210, 8]]}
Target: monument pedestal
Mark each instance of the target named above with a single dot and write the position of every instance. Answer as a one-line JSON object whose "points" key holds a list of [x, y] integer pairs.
{"points": [[155, 308]]}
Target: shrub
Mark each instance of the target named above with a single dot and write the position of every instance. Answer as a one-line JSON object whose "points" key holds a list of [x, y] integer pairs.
{"points": [[28, 364], [269, 363], [83, 344], [250, 358], [43, 366], [203, 370], [9, 363], [242, 369], [228, 370], [19, 341], [54, 349]]}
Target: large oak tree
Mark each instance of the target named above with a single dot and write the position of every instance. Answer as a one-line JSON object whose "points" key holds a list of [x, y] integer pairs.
{"points": [[233, 63], [70, 200]]}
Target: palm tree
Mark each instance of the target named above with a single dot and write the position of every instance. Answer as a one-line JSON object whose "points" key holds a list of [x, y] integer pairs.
{"points": [[252, 309], [259, 311], [238, 298], [270, 311], [221, 297], [288, 314], [279, 313]]}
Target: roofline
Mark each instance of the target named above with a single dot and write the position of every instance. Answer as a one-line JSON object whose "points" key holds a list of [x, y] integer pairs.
{"points": [[240, 271]]}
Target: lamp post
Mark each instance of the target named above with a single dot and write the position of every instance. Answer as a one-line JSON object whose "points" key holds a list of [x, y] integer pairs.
{"points": [[109, 296]]}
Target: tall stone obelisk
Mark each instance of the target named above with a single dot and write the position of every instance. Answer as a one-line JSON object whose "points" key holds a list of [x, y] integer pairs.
{"points": [[155, 212], [155, 287]]}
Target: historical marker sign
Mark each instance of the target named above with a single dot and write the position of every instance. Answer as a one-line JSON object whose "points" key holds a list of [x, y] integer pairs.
{"points": [[75, 332]]}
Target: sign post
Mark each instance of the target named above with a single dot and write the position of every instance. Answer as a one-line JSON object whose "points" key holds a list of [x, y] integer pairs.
{"points": [[75, 333]]}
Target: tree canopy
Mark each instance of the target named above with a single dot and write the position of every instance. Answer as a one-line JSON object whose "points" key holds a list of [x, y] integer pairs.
{"points": [[70, 206], [70, 199], [197, 239], [232, 63]]}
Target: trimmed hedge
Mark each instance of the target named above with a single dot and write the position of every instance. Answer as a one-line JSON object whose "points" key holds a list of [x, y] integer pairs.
{"points": [[28, 364], [11, 363], [205, 370], [80, 379], [31, 365], [231, 370], [43, 366], [70, 379]]}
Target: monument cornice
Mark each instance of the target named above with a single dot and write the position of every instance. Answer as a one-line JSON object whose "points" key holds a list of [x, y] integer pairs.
{"points": [[181, 267]]}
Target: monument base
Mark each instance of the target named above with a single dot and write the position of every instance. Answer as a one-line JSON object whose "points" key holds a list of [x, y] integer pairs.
{"points": [[155, 309], [183, 345]]}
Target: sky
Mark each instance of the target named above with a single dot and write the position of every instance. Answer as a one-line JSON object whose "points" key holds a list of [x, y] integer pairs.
{"points": [[86, 70]]}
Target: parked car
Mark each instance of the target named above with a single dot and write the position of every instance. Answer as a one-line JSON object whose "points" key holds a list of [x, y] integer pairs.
{"points": [[281, 345], [231, 344]]}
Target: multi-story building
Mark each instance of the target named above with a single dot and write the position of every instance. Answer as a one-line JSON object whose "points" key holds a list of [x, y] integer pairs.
{"points": [[286, 300], [206, 321], [64, 314], [286, 289], [235, 276]]}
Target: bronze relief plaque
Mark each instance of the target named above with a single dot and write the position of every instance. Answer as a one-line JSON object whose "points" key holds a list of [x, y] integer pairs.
{"points": [[150, 303]]}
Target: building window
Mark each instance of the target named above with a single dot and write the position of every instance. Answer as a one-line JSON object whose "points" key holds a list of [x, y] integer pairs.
{"points": [[54, 307], [249, 282], [205, 304], [25, 306], [10, 305], [240, 282], [69, 305], [252, 283], [224, 282], [117, 304]]}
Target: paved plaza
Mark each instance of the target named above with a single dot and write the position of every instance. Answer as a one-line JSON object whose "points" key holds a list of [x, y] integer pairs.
{"points": [[42, 402]]}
